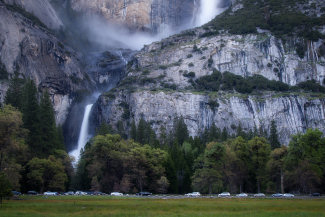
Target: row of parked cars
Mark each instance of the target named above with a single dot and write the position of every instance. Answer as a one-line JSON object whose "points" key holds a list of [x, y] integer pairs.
{"points": [[243, 195]]}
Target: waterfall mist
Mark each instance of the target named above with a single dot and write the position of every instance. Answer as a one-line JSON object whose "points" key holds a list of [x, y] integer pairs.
{"points": [[208, 10], [106, 49]]}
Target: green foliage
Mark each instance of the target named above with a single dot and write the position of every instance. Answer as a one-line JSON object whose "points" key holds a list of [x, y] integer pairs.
{"points": [[49, 133], [189, 75], [280, 17], [207, 177], [46, 174], [3, 72], [273, 139], [104, 129], [311, 85], [304, 164], [260, 156], [31, 118], [5, 187], [122, 165], [13, 150], [229, 81], [14, 94]]}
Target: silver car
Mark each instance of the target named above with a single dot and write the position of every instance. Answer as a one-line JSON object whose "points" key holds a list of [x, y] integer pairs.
{"points": [[288, 195], [241, 195], [259, 195], [224, 194]]}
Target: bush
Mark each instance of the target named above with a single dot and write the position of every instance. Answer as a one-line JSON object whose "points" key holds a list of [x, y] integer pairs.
{"points": [[3, 72], [229, 81], [190, 65], [189, 56], [311, 85], [189, 75]]}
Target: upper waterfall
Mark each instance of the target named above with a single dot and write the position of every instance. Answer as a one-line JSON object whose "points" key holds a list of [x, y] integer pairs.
{"points": [[208, 9]]}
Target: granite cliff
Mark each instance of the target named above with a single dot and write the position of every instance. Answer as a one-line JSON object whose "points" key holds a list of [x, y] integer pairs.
{"points": [[159, 86]]}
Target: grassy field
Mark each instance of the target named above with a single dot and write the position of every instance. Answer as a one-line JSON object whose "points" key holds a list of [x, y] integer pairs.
{"points": [[108, 206]]}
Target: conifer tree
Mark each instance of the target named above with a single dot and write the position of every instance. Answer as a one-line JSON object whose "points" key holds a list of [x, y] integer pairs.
{"points": [[49, 134], [31, 117], [14, 94], [181, 132], [141, 131], [274, 140], [133, 132]]}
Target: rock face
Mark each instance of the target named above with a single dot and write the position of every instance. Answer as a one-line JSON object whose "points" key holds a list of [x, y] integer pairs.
{"points": [[139, 14], [158, 89], [35, 53], [261, 54], [42, 9], [292, 113]]}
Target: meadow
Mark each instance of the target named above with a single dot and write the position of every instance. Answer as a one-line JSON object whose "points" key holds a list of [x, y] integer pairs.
{"points": [[142, 207]]}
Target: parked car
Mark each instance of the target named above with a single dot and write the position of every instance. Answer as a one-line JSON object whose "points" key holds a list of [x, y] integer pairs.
{"points": [[242, 195], [193, 194], [118, 194], [224, 194], [49, 193], [259, 195], [277, 195], [15, 193], [99, 193], [69, 193], [80, 193], [144, 193], [32, 193], [315, 194], [288, 195]]}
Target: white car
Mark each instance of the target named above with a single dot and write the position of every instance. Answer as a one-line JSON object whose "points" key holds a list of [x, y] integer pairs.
{"points": [[242, 195], [193, 194], [49, 193], [259, 195], [116, 194], [224, 194], [80, 193], [288, 195]]}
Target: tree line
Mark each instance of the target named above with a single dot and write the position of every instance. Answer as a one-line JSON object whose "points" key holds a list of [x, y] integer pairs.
{"points": [[33, 156], [213, 162], [32, 151]]}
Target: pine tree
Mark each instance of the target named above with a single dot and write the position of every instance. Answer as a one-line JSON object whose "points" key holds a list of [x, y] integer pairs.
{"points": [[141, 131], [274, 141], [104, 129], [180, 130], [14, 94], [49, 134], [224, 134], [133, 132], [31, 117]]}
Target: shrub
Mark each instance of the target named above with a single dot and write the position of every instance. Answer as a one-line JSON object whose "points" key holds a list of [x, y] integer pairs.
{"points": [[163, 67], [189, 75], [189, 56], [190, 65]]}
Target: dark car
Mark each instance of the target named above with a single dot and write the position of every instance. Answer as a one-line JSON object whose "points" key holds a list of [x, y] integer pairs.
{"points": [[315, 194], [32, 193], [144, 193], [16, 193]]}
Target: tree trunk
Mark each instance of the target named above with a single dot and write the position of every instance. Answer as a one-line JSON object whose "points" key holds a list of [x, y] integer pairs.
{"points": [[282, 182], [258, 187]]}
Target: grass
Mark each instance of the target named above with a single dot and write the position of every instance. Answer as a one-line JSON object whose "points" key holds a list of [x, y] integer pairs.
{"points": [[118, 207]]}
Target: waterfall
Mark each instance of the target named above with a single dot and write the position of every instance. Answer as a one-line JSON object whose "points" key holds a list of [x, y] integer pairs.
{"points": [[208, 10], [83, 135]]}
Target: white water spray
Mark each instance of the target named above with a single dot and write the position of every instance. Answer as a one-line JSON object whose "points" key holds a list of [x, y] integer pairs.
{"points": [[83, 135], [208, 10]]}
